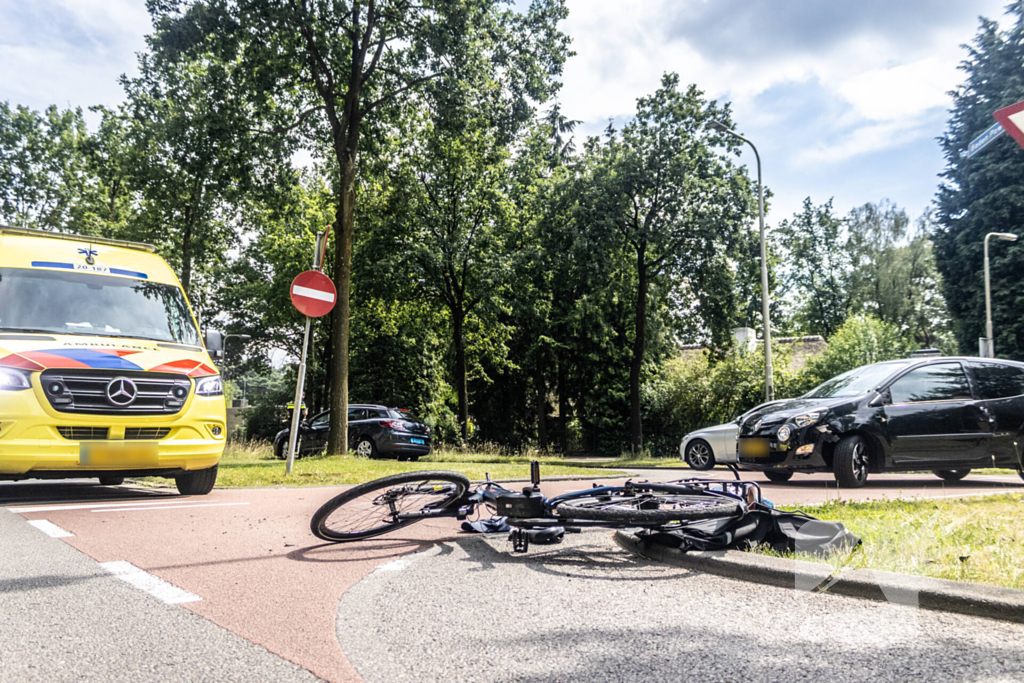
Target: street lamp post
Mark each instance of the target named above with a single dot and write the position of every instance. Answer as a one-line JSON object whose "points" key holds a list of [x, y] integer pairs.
{"points": [[769, 387], [990, 346]]}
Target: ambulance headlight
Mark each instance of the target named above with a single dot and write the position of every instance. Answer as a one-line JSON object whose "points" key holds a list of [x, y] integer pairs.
{"points": [[14, 379], [210, 386]]}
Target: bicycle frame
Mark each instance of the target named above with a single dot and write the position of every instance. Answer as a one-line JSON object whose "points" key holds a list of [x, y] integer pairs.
{"points": [[488, 492]]}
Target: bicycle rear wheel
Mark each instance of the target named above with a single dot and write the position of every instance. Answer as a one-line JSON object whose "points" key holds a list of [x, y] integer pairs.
{"points": [[647, 508], [373, 508]]}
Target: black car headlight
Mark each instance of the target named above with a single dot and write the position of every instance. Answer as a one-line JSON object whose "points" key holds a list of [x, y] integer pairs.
{"points": [[210, 386], [808, 418], [783, 434]]}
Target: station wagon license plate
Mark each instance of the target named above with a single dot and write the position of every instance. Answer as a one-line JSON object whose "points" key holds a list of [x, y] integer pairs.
{"points": [[117, 454], [753, 448], [419, 441]]}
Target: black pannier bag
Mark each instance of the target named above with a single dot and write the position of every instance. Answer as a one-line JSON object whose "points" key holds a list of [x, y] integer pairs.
{"points": [[761, 525]]}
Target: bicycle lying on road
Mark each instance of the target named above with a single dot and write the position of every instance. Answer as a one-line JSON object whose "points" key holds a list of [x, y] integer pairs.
{"points": [[390, 503]]}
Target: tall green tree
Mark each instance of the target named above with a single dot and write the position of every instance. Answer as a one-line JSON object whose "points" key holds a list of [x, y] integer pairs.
{"points": [[893, 274], [334, 69], [984, 193], [44, 176], [463, 229], [667, 199], [192, 156], [818, 268]]}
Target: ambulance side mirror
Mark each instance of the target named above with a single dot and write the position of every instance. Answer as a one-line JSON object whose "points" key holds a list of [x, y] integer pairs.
{"points": [[214, 343]]}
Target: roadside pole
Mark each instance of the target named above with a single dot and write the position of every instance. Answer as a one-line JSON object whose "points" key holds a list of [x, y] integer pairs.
{"points": [[313, 294]]}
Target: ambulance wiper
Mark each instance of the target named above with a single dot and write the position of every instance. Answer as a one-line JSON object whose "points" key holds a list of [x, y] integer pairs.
{"points": [[29, 329]]}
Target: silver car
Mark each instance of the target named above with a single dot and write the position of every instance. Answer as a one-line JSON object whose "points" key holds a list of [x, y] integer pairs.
{"points": [[703, 448]]}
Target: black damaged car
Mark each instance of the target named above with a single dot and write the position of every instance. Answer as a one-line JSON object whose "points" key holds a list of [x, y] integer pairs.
{"points": [[947, 415]]}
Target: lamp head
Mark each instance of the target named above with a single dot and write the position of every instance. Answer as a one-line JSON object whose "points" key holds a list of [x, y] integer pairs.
{"points": [[1008, 236], [720, 127]]}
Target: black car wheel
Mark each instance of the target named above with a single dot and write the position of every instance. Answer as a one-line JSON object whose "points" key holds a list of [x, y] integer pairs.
{"points": [[778, 476], [281, 449], [699, 455], [111, 481], [850, 462], [365, 448], [196, 482], [951, 475]]}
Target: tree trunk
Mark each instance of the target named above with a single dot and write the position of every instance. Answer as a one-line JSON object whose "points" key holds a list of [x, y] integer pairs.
{"points": [[563, 407], [458, 321], [542, 403], [344, 229], [637, 435], [186, 256]]}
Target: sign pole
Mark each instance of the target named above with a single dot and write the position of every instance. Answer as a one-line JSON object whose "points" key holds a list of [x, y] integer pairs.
{"points": [[293, 434]]}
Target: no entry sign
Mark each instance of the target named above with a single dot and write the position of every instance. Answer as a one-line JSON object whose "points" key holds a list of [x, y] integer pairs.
{"points": [[313, 293]]}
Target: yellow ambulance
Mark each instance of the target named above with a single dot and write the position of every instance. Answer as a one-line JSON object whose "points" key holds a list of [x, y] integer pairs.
{"points": [[103, 372]]}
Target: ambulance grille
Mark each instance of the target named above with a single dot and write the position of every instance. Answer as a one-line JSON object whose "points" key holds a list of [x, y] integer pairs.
{"points": [[84, 433], [81, 390], [146, 433]]}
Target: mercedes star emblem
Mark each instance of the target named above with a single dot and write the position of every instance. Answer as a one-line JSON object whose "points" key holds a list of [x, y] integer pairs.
{"points": [[122, 391]]}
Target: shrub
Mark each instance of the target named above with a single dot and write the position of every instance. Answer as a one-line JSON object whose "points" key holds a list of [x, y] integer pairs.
{"points": [[861, 340], [696, 391]]}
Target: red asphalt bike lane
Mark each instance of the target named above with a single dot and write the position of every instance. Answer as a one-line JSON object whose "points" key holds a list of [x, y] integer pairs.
{"points": [[249, 554]]}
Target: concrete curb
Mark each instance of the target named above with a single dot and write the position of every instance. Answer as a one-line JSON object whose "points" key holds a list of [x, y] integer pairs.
{"points": [[977, 600]]}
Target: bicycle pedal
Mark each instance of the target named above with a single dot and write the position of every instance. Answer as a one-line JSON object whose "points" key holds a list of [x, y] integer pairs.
{"points": [[520, 540]]}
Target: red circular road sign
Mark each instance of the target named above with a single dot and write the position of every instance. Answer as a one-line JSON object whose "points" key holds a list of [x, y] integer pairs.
{"points": [[313, 293]]}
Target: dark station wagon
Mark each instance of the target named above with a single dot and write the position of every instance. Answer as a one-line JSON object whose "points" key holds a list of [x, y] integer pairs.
{"points": [[947, 415], [373, 431]]}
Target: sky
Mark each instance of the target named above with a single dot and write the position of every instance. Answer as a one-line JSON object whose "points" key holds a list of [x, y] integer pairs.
{"points": [[843, 99]]}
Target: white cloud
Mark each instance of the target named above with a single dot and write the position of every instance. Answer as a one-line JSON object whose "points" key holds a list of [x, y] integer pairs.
{"points": [[862, 140], [69, 52], [901, 92], [872, 76]]}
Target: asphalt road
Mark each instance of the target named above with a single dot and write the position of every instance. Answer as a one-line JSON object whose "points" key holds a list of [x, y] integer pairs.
{"points": [[586, 610], [268, 586], [64, 618]]}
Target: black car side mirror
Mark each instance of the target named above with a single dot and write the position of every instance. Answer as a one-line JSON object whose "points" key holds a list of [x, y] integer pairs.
{"points": [[880, 400]]}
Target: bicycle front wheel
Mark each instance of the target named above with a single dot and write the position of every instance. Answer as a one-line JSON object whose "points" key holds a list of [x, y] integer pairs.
{"points": [[375, 508], [647, 508]]}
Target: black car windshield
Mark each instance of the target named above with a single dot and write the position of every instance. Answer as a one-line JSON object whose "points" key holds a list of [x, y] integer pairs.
{"points": [[38, 300], [857, 381]]}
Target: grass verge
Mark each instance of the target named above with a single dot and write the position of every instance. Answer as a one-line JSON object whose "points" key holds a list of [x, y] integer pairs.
{"points": [[977, 539], [255, 465]]}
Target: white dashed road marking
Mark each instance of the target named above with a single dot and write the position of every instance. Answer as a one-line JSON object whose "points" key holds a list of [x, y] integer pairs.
{"points": [[171, 507], [157, 587], [50, 529], [114, 507]]}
